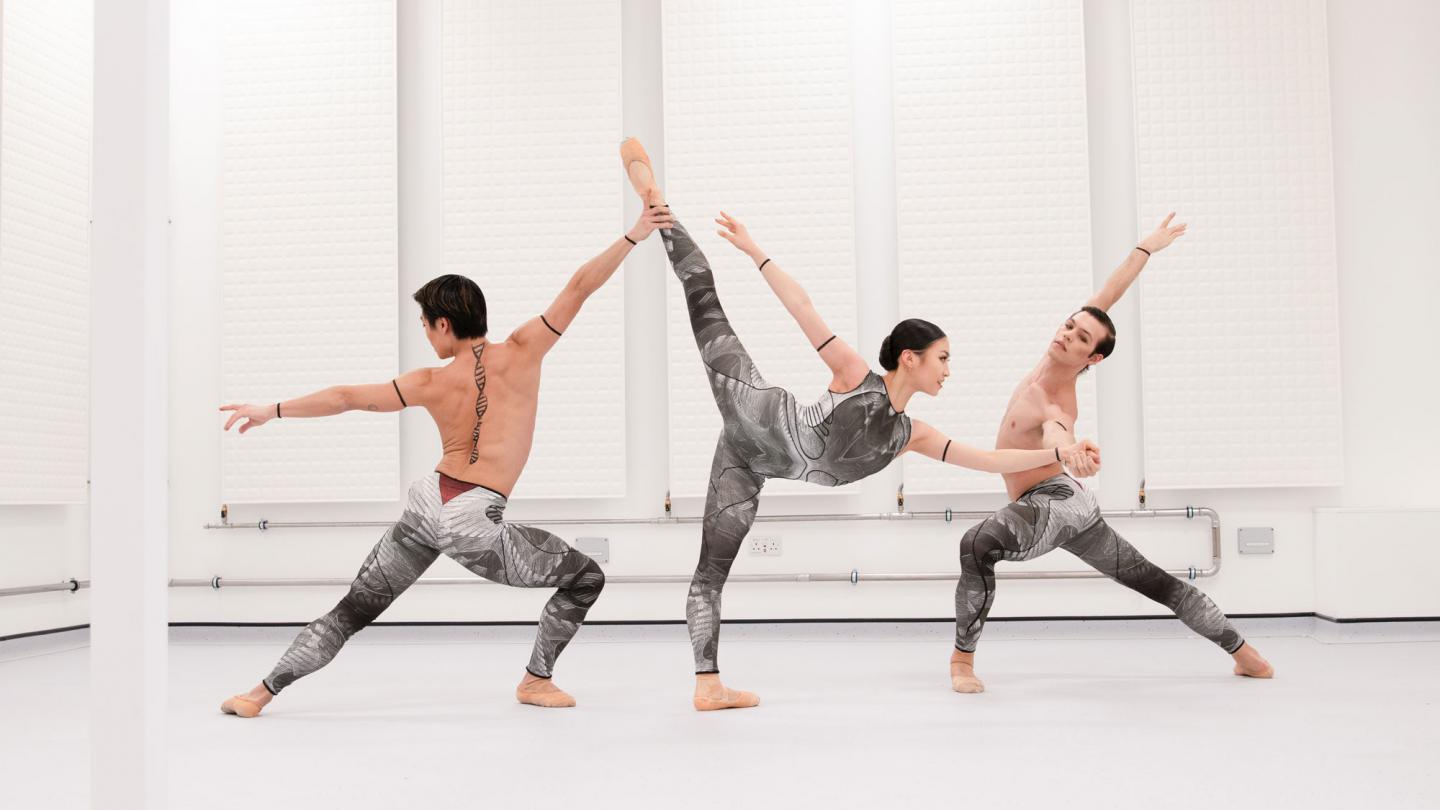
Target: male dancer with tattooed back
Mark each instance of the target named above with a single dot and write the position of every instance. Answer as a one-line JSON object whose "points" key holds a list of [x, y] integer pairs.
{"points": [[1052, 510], [484, 404]]}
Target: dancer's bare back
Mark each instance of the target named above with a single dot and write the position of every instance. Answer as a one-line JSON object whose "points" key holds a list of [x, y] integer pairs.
{"points": [[484, 404]]}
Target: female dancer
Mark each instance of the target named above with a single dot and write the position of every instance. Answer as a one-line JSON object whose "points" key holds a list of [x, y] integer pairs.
{"points": [[856, 428]]}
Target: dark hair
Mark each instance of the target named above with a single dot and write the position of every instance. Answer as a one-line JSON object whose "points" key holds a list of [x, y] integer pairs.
{"points": [[1106, 344], [911, 334], [457, 299]]}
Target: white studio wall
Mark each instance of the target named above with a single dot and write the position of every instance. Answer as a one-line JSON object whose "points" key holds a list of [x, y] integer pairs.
{"points": [[46, 117], [1241, 351], [993, 202], [529, 194], [309, 242], [757, 109]]}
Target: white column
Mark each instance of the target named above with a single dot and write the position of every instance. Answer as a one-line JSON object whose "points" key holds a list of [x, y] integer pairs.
{"points": [[419, 75], [877, 254], [647, 419], [128, 391], [1110, 102]]}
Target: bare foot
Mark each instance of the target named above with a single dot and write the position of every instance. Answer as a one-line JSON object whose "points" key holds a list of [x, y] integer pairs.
{"points": [[541, 692], [248, 704], [641, 174], [1249, 663], [710, 695], [962, 673]]}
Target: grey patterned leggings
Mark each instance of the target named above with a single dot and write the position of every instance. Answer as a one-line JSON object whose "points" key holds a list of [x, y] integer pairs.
{"points": [[1059, 513], [735, 483], [471, 530]]}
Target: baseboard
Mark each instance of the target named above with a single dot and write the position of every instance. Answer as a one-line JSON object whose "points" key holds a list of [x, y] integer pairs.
{"points": [[51, 631], [661, 622]]}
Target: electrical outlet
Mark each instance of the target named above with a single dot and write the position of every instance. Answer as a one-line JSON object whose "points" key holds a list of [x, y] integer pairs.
{"points": [[765, 546], [1256, 540], [596, 548]]}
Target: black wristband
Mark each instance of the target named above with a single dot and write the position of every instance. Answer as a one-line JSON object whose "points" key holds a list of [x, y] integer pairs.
{"points": [[1142, 250], [1057, 454], [946, 450], [822, 346], [762, 265], [628, 239], [277, 410]]}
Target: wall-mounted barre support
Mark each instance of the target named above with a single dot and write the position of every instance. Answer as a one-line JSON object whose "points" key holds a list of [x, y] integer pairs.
{"points": [[854, 577], [71, 585]]}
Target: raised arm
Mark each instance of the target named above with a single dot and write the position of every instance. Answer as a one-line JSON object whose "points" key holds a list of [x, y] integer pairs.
{"points": [[540, 333], [410, 388], [1125, 275], [847, 366], [1083, 458]]}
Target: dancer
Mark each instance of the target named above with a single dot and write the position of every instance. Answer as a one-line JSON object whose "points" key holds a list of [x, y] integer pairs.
{"points": [[484, 404], [856, 428], [1052, 510]]}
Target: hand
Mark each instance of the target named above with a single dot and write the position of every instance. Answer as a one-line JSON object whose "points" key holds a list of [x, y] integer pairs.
{"points": [[1162, 236], [656, 217], [255, 415], [1081, 458], [737, 234]]}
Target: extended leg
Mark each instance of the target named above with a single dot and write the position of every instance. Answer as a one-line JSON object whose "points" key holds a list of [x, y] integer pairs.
{"points": [[1111, 555], [399, 559]]}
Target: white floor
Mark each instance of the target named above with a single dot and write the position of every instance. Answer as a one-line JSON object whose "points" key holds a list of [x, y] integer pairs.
{"points": [[1114, 714]]}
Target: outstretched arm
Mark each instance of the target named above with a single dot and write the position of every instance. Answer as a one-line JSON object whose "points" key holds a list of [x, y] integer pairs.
{"points": [[847, 366], [1083, 458], [1129, 270], [411, 388], [539, 334]]}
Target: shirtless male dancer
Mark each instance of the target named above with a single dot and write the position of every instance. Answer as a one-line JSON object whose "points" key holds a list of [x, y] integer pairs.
{"points": [[1052, 510], [484, 404], [855, 429]]}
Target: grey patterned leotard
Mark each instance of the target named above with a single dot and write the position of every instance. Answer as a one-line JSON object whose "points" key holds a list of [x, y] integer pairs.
{"points": [[768, 434]]}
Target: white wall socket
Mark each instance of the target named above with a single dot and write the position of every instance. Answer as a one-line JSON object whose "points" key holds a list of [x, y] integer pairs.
{"points": [[765, 546]]}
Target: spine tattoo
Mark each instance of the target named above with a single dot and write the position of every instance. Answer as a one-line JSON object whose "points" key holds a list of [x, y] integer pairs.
{"points": [[480, 402]]}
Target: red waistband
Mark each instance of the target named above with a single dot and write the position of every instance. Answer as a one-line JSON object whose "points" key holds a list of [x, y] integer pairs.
{"points": [[454, 487]]}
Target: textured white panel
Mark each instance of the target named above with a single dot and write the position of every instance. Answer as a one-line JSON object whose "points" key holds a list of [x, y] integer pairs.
{"points": [[45, 125], [1241, 352], [992, 176], [757, 122], [532, 190], [309, 243]]}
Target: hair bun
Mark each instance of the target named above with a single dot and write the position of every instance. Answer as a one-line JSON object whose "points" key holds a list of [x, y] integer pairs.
{"points": [[888, 360]]}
